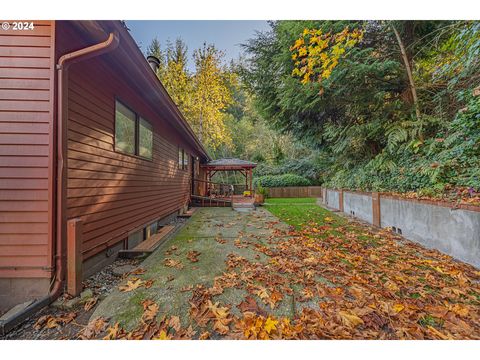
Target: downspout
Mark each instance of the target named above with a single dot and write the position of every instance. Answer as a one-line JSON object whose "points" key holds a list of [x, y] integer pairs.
{"points": [[62, 114]]}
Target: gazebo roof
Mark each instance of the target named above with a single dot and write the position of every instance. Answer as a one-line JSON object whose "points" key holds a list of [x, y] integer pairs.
{"points": [[230, 163]]}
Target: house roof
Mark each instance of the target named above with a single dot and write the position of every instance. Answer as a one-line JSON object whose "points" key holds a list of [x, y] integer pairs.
{"points": [[132, 64], [230, 163]]}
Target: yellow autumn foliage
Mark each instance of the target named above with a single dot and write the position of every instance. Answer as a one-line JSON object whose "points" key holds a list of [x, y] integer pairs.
{"points": [[321, 52], [202, 96]]}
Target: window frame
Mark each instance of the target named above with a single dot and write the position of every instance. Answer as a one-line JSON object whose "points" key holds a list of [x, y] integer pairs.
{"points": [[136, 153], [180, 163], [185, 160], [134, 130]]}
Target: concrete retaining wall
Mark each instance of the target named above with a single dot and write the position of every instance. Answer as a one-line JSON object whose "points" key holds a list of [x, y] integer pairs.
{"points": [[358, 205], [332, 199], [452, 229]]}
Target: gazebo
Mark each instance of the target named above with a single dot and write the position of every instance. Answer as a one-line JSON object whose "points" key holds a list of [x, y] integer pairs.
{"points": [[231, 164]]}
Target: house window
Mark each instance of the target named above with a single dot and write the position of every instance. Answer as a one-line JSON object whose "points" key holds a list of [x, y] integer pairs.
{"points": [[145, 139], [125, 120], [182, 159], [185, 160], [133, 134], [181, 154]]}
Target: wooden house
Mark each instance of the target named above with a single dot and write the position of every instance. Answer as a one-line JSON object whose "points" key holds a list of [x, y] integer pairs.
{"points": [[94, 154]]}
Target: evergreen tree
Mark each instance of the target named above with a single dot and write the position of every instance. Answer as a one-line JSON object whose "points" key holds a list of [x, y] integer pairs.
{"points": [[154, 49]]}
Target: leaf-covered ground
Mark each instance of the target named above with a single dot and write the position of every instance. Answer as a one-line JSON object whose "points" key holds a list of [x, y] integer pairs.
{"points": [[238, 275]]}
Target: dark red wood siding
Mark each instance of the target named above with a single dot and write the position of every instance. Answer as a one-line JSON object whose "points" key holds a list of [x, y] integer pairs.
{"points": [[26, 143], [112, 193]]}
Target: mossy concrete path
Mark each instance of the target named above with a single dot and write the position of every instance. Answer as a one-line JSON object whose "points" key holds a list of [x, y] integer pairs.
{"points": [[214, 233]]}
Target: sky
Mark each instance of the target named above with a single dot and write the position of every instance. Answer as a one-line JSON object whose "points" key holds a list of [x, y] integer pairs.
{"points": [[226, 35]]}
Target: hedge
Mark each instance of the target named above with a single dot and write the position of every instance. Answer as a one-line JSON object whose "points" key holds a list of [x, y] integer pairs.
{"points": [[282, 180]]}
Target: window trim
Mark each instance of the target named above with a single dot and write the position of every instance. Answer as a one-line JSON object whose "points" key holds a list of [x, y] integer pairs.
{"points": [[115, 129], [181, 165], [137, 131]]}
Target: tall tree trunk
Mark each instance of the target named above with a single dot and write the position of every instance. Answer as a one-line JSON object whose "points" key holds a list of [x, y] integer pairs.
{"points": [[413, 89]]}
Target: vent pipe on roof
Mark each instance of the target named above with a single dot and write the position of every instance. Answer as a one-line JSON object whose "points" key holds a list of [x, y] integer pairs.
{"points": [[153, 62]]}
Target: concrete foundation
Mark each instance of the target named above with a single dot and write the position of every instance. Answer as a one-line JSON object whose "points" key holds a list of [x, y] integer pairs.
{"points": [[108, 256], [100, 260], [14, 291], [134, 239]]}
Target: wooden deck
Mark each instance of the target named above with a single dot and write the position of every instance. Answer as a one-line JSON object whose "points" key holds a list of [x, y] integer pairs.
{"points": [[233, 201], [204, 201]]}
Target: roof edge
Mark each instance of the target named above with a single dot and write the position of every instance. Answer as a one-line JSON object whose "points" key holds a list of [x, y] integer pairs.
{"points": [[138, 59]]}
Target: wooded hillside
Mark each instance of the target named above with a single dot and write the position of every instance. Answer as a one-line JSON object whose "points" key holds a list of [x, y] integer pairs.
{"points": [[386, 106]]}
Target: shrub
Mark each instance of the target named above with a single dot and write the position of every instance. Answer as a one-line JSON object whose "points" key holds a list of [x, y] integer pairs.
{"points": [[310, 167], [282, 180], [261, 190]]}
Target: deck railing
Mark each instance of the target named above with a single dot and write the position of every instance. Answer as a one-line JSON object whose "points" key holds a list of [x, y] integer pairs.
{"points": [[211, 192]]}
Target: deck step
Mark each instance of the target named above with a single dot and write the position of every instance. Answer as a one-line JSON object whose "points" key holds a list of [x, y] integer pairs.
{"points": [[188, 214], [243, 207], [149, 245]]}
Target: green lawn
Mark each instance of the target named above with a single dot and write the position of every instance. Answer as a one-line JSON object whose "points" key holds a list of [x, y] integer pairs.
{"points": [[275, 201], [301, 211]]}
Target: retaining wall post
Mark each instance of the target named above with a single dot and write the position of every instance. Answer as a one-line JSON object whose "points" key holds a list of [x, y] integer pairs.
{"points": [[376, 216], [340, 200]]}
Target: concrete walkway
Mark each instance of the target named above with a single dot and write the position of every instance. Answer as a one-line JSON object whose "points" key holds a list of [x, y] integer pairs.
{"points": [[333, 278], [214, 233]]}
